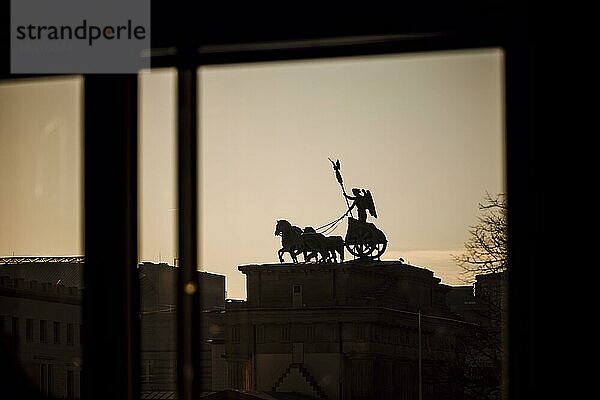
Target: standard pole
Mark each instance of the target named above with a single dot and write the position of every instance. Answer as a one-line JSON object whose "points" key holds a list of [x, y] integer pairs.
{"points": [[338, 175], [420, 374]]}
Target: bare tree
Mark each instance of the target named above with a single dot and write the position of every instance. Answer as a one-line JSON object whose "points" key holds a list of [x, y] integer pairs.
{"points": [[486, 257], [486, 251]]}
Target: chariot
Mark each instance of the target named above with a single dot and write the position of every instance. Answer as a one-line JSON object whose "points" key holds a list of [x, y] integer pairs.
{"points": [[364, 239]]}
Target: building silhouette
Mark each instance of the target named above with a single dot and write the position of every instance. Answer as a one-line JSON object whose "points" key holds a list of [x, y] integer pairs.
{"points": [[484, 362], [345, 331], [158, 326], [40, 316], [40, 322], [325, 331]]}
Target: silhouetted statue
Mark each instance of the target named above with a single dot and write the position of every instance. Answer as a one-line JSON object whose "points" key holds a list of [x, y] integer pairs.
{"points": [[338, 175], [363, 239], [329, 246], [363, 201], [290, 236], [312, 245], [333, 245], [309, 243]]}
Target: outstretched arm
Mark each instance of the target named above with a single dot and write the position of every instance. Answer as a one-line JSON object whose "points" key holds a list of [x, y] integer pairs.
{"points": [[349, 210]]}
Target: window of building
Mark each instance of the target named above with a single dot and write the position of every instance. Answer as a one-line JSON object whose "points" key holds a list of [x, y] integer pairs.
{"points": [[43, 331], [56, 332], [15, 327], [260, 334], [310, 333], [362, 332], [70, 385], [29, 330], [70, 333], [46, 380], [146, 370], [297, 296], [15, 331], [286, 333], [377, 333], [235, 334]]}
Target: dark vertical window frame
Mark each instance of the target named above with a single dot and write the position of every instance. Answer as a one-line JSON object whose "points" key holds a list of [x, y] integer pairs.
{"points": [[111, 296], [188, 297], [522, 297]]}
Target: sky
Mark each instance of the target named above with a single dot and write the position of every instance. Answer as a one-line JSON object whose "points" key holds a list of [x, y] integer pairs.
{"points": [[423, 132], [40, 167]]}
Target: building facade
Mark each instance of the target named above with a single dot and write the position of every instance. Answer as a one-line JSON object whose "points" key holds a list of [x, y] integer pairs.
{"points": [[344, 331], [40, 322], [159, 322], [40, 317], [356, 330]]}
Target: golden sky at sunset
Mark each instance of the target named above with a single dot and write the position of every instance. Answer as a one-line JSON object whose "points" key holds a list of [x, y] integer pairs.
{"points": [[423, 132]]}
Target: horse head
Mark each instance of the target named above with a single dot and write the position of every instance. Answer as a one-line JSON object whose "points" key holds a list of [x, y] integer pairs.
{"points": [[282, 227]]}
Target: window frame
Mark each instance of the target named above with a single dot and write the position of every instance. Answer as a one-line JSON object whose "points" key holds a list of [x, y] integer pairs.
{"points": [[463, 31], [516, 367]]}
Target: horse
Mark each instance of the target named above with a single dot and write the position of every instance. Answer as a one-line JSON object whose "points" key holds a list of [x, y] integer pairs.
{"points": [[290, 237], [309, 243], [329, 246], [332, 245], [312, 244]]}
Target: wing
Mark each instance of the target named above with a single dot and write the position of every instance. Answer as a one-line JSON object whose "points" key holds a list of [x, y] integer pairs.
{"points": [[371, 204]]}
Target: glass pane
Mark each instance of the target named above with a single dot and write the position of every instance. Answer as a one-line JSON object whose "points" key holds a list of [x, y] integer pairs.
{"points": [[40, 234], [157, 222], [351, 279]]}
